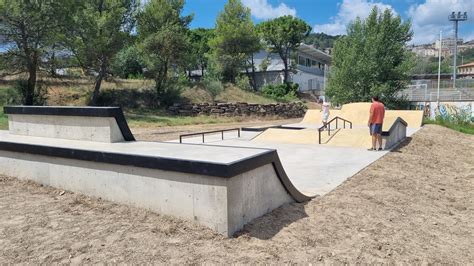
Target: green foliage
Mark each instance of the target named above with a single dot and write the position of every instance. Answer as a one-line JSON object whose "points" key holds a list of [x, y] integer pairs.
{"points": [[282, 36], [128, 63], [243, 82], [10, 96], [467, 56], [40, 94], [101, 29], [163, 33], [429, 65], [3, 119], [321, 40], [282, 92], [199, 39], [371, 59], [459, 119], [212, 85], [235, 40], [32, 26]]}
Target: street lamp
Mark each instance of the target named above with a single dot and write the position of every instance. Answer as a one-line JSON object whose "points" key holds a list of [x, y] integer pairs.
{"points": [[456, 18]]}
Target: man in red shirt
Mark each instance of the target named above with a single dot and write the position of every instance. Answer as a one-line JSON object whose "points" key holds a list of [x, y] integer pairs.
{"points": [[377, 113]]}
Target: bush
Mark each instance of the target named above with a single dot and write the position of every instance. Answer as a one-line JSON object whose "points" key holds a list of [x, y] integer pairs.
{"points": [[128, 63], [243, 82], [212, 85], [281, 92], [40, 94], [10, 96]]}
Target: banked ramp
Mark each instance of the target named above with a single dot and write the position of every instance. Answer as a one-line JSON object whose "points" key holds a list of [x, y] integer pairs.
{"points": [[358, 114], [92, 151]]}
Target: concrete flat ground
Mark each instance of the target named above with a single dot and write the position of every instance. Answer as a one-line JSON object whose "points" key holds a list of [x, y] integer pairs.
{"points": [[413, 206], [314, 169]]}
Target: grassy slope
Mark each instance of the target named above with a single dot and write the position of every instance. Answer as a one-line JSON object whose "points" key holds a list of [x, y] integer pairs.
{"points": [[467, 129], [74, 91], [3, 119]]}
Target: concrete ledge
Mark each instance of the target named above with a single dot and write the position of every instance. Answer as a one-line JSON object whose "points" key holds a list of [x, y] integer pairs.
{"points": [[396, 133], [224, 205], [103, 124]]}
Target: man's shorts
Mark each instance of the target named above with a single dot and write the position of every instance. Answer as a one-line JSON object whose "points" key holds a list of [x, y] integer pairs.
{"points": [[375, 129], [325, 117]]}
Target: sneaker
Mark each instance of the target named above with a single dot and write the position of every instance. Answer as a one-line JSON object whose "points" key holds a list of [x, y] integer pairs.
{"points": [[371, 149], [380, 149]]}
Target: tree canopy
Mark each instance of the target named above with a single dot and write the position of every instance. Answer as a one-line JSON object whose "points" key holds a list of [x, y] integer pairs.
{"points": [[371, 59], [235, 39], [282, 36], [101, 29], [164, 39], [31, 26]]}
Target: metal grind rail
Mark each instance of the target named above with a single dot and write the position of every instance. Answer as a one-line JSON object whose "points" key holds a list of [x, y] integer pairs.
{"points": [[209, 132], [328, 126]]}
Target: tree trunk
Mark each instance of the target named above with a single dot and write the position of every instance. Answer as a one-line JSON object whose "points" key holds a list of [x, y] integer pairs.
{"points": [[285, 71], [254, 75], [31, 85], [98, 83], [30, 90]]}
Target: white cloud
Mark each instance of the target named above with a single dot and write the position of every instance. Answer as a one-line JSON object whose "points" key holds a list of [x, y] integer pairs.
{"points": [[431, 16], [349, 10], [261, 9]]}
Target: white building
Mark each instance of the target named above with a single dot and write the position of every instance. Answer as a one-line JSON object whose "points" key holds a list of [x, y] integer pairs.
{"points": [[311, 68]]}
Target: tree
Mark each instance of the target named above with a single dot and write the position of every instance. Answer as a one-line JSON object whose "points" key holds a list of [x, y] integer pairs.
{"points": [[235, 40], [371, 59], [199, 39], [163, 33], [128, 63], [29, 27], [101, 29], [283, 35]]}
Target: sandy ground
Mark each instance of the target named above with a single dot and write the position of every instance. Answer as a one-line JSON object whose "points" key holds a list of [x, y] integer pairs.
{"points": [[415, 205], [172, 133]]}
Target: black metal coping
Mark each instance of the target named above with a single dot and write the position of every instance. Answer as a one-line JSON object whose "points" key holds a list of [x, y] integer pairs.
{"points": [[259, 129], [398, 120], [115, 112], [224, 170]]}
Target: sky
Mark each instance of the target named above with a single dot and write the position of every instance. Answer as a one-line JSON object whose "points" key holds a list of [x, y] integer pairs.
{"points": [[428, 17]]}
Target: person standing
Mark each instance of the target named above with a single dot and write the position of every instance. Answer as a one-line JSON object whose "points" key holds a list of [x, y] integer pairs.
{"points": [[376, 116], [325, 109]]}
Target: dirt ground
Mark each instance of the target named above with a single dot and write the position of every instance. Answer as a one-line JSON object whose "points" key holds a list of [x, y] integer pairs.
{"points": [[172, 133], [414, 205]]}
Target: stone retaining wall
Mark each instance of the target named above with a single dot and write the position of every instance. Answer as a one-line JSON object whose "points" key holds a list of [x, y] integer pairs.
{"points": [[287, 110]]}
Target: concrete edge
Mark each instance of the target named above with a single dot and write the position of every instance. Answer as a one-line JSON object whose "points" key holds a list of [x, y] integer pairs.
{"points": [[115, 112], [168, 164]]}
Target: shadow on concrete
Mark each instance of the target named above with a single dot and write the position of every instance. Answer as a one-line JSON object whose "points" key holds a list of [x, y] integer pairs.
{"points": [[402, 145], [268, 225]]}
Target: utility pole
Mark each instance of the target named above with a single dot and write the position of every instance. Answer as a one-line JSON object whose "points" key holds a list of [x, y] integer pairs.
{"points": [[456, 18], [439, 65]]}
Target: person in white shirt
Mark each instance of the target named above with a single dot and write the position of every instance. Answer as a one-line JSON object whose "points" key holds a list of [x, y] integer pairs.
{"points": [[325, 110]]}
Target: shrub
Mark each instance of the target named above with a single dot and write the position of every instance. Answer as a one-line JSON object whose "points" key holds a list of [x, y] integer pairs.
{"points": [[213, 85], [10, 96], [243, 82], [281, 92], [40, 94]]}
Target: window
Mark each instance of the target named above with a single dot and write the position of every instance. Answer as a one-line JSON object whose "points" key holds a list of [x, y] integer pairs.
{"points": [[301, 61]]}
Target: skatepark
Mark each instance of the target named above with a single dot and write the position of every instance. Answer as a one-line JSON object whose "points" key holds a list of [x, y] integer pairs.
{"points": [[222, 180]]}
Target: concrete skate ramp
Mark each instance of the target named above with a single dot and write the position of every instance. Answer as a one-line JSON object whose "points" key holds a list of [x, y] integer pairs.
{"points": [[358, 114], [220, 187], [303, 136]]}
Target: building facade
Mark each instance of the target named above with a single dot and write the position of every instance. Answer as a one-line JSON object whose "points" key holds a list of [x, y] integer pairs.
{"points": [[466, 70], [309, 72]]}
